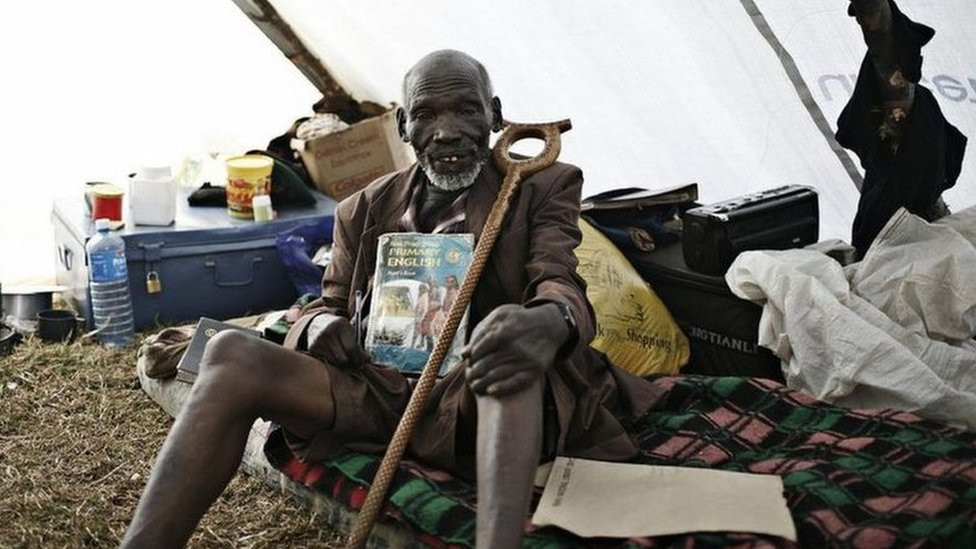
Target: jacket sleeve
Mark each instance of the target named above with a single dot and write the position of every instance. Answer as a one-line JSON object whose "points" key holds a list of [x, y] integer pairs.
{"points": [[553, 237]]}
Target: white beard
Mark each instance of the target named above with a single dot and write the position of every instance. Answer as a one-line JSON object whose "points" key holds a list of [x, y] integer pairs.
{"points": [[454, 181]]}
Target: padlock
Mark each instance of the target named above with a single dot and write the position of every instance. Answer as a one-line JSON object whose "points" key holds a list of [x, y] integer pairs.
{"points": [[153, 284]]}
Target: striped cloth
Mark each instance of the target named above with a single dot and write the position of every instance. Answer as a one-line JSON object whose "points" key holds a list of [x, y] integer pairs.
{"points": [[853, 478]]}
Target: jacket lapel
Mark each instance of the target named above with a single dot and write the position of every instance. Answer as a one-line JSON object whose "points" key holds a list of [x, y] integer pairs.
{"points": [[390, 208], [382, 218], [481, 199], [477, 209]]}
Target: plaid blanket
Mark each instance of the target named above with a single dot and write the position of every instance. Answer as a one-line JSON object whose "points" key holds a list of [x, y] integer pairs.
{"points": [[853, 478]]}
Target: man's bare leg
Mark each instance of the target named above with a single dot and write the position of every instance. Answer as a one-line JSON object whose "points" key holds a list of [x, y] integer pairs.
{"points": [[509, 443], [241, 378]]}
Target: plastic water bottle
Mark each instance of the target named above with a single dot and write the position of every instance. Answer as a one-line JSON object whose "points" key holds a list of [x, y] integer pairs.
{"points": [[108, 282]]}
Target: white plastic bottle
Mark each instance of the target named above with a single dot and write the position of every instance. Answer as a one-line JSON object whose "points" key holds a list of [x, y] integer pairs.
{"points": [[108, 282]]}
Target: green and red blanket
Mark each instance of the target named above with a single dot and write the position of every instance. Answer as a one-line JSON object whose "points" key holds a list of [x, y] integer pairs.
{"points": [[853, 478]]}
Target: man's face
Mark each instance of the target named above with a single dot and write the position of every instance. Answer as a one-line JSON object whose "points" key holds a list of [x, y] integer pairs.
{"points": [[447, 119]]}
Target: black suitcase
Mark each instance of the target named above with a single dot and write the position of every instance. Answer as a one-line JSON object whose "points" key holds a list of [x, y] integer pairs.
{"points": [[722, 329]]}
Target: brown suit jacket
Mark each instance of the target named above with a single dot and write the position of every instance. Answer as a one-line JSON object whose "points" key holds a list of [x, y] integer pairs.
{"points": [[533, 256], [533, 259]]}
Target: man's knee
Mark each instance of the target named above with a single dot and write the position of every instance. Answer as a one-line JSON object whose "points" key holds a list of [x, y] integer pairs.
{"points": [[232, 356], [518, 400]]}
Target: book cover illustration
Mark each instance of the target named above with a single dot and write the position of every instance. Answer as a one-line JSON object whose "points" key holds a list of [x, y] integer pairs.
{"points": [[417, 279], [189, 365]]}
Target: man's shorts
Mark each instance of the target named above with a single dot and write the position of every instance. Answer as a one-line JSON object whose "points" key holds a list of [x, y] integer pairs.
{"points": [[584, 415]]}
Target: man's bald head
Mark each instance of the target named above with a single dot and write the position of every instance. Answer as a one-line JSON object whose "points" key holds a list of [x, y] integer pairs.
{"points": [[448, 115], [446, 65]]}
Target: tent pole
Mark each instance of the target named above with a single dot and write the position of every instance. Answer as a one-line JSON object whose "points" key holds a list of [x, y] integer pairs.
{"points": [[802, 90], [335, 98]]}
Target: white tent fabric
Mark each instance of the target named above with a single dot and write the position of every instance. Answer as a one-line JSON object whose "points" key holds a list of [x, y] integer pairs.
{"points": [[95, 90], [660, 93]]}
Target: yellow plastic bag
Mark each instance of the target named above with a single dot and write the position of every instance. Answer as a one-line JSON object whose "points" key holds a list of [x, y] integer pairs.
{"points": [[633, 327]]}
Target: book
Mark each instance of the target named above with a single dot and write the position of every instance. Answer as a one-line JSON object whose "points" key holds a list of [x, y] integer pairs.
{"points": [[189, 365], [640, 198], [416, 280]]}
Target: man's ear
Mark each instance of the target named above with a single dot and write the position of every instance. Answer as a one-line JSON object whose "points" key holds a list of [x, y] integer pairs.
{"points": [[401, 117], [496, 114]]}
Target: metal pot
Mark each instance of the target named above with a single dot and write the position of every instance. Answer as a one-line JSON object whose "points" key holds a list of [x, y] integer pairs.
{"points": [[25, 302], [21, 305]]}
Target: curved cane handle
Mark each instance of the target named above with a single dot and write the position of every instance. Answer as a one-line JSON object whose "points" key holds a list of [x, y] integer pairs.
{"points": [[548, 132]]}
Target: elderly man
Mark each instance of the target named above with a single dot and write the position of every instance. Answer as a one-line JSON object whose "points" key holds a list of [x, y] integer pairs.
{"points": [[529, 385]]}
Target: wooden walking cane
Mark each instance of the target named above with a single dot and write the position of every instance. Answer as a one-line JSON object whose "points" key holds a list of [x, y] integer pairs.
{"points": [[515, 171]]}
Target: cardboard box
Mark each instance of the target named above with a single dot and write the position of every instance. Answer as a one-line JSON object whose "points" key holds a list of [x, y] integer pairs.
{"points": [[343, 162]]}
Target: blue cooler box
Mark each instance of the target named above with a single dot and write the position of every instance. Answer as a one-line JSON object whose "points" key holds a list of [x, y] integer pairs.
{"points": [[207, 263]]}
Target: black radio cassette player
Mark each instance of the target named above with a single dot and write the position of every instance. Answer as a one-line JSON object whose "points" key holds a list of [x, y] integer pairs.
{"points": [[775, 219]]}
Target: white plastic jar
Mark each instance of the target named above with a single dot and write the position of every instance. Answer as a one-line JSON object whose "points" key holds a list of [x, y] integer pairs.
{"points": [[152, 196]]}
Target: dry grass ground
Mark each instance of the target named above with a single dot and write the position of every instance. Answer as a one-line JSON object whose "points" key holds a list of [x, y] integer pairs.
{"points": [[77, 440]]}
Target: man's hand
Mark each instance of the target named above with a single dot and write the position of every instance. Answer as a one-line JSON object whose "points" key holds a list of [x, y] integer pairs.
{"points": [[332, 339], [512, 347]]}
